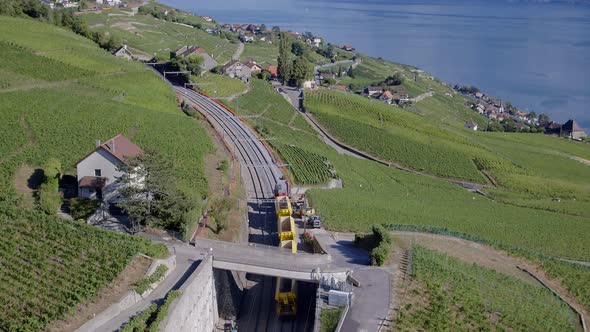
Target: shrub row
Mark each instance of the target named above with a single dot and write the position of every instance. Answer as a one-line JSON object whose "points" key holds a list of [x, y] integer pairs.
{"points": [[144, 284], [379, 243]]}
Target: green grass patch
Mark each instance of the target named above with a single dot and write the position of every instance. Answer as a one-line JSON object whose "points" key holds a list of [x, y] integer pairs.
{"points": [[307, 167], [263, 53], [219, 86], [458, 296], [329, 319]]}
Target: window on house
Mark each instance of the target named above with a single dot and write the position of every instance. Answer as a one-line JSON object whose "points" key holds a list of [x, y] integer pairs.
{"points": [[97, 172]]}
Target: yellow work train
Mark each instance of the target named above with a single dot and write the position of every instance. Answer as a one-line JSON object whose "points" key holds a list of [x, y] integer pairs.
{"points": [[286, 289]]}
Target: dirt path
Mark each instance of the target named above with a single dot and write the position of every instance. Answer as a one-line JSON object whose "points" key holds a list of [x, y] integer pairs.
{"points": [[238, 52], [582, 160], [422, 97], [475, 253]]}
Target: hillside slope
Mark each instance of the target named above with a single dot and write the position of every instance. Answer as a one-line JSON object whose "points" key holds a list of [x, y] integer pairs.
{"points": [[60, 93]]}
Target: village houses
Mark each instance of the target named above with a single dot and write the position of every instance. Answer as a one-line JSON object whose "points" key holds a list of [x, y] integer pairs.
{"points": [[97, 173]]}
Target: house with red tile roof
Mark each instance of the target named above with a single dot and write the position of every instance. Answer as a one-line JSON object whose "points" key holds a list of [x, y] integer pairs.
{"points": [[273, 70], [255, 69], [97, 173]]}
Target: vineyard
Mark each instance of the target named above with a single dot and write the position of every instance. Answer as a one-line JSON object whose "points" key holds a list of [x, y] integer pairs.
{"points": [[395, 135], [452, 295], [72, 106], [307, 167], [49, 266], [152, 36]]}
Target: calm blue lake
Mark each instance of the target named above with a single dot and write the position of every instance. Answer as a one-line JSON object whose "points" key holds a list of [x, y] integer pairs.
{"points": [[535, 55]]}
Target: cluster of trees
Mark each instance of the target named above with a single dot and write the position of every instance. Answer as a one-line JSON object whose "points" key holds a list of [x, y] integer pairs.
{"points": [[466, 89], [48, 198], [379, 243], [150, 195], [63, 17], [510, 125], [292, 71], [190, 63]]}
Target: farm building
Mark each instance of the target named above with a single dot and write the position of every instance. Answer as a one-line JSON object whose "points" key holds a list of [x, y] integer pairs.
{"points": [[123, 52], [97, 173], [235, 68], [572, 130], [471, 125]]}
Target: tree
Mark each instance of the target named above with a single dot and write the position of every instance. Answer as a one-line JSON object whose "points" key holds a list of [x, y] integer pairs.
{"points": [[339, 71], [543, 118], [495, 126], [284, 60], [351, 72], [149, 194], [302, 71], [395, 79], [194, 62], [510, 125], [262, 27], [329, 81], [276, 28], [297, 48], [532, 115]]}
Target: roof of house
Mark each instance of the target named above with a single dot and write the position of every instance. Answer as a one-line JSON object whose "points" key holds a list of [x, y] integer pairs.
{"points": [[328, 75], [572, 125], [92, 182], [471, 123], [251, 64], [553, 125], [122, 148], [119, 147], [231, 63], [189, 50], [340, 87], [124, 49], [387, 95], [273, 70]]}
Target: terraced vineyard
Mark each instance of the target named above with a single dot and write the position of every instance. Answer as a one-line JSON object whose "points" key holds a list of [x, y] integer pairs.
{"points": [[462, 296], [395, 135], [307, 167], [49, 266]]}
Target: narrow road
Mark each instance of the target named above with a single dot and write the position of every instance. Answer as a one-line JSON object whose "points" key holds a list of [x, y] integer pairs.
{"points": [[238, 52]]}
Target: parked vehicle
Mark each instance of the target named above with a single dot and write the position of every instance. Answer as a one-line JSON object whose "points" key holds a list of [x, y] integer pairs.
{"points": [[314, 221]]}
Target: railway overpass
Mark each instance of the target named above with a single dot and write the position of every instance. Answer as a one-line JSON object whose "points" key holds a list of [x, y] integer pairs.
{"points": [[272, 261]]}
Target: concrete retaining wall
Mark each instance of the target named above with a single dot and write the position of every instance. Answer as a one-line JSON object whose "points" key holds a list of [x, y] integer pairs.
{"points": [[196, 308]]}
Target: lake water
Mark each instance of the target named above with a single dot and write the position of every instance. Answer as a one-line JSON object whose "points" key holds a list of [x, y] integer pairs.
{"points": [[535, 55]]}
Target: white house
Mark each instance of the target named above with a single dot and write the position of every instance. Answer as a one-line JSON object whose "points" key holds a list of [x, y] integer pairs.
{"points": [[123, 52], [471, 125], [316, 42], [98, 172]]}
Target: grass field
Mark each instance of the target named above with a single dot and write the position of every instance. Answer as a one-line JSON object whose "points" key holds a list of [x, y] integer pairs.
{"points": [[263, 53], [66, 111], [446, 294], [49, 266], [150, 36], [219, 86]]}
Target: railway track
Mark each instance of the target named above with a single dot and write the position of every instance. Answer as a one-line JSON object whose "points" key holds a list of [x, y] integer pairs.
{"points": [[260, 175]]}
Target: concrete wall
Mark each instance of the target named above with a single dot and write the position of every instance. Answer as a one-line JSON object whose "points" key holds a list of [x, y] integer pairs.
{"points": [[196, 309]]}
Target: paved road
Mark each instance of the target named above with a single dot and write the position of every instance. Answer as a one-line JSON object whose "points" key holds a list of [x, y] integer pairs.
{"points": [[260, 174]]}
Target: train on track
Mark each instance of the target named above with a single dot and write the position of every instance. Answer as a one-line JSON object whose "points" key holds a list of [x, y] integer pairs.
{"points": [[286, 289]]}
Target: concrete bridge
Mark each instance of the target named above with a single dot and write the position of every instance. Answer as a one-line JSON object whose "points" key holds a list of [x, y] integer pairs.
{"points": [[272, 261]]}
